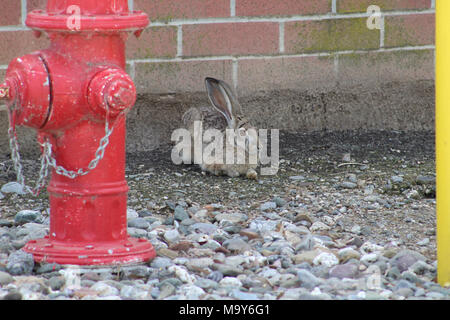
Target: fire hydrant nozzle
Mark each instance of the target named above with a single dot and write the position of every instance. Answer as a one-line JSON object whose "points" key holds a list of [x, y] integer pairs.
{"points": [[111, 90]]}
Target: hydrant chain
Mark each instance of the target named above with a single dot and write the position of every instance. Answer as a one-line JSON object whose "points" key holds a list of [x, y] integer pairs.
{"points": [[93, 163], [47, 158], [15, 156]]}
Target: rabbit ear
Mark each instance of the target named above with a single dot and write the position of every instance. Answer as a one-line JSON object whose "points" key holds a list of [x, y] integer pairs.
{"points": [[223, 99]]}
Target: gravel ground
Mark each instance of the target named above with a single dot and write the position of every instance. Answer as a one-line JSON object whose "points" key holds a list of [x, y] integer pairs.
{"points": [[349, 216]]}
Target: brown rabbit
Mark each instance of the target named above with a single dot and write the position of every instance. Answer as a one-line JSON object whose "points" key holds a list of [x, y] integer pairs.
{"points": [[225, 113]]}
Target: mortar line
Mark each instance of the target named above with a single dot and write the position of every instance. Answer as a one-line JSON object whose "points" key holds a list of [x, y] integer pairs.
{"points": [[301, 55], [130, 5], [180, 41], [281, 37], [382, 31], [132, 69], [336, 67], [13, 28], [23, 11], [232, 8], [179, 22], [333, 7], [433, 4], [235, 73]]}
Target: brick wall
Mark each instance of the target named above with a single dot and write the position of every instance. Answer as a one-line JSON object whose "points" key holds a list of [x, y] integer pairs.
{"points": [[260, 44], [298, 65]]}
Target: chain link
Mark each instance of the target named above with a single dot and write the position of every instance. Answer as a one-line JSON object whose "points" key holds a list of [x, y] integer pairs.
{"points": [[47, 159]]}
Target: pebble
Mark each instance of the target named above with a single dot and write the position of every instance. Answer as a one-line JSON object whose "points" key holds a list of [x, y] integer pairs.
{"points": [[166, 291], [139, 223], [137, 233], [423, 242], [230, 281], [201, 263], [369, 258], [161, 263], [206, 284], [180, 213], [13, 187], [341, 271], [326, 259], [319, 226], [396, 179], [307, 279], [425, 179], [25, 216], [132, 214], [172, 235], [237, 245], [56, 283], [307, 256], [5, 278], [191, 292], [237, 294], [105, 290], [297, 178], [405, 259], [280, 202], [19, 263], [268, 206], [348, 253], [348, 185], [231, 217]]}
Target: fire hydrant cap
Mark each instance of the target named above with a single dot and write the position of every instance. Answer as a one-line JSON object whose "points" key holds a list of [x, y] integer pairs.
{"points": [[111, 90]]}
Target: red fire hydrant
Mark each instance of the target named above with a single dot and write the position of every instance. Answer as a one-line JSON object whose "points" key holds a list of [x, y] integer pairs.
{"points": [[76, 94]]}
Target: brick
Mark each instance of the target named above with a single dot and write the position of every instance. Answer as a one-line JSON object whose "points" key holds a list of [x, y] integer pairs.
{"points": [[11, 13], [36, 4], [299, 73], [231, 39], [179, 76], [382, 67], [19, 44], [349, 6], [154, 42], [330, 35], [409, 30], [166, 10], [281, 7]]}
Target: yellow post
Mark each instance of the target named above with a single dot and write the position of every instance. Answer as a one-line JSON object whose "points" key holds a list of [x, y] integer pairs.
{"points": [[443, 139]]}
